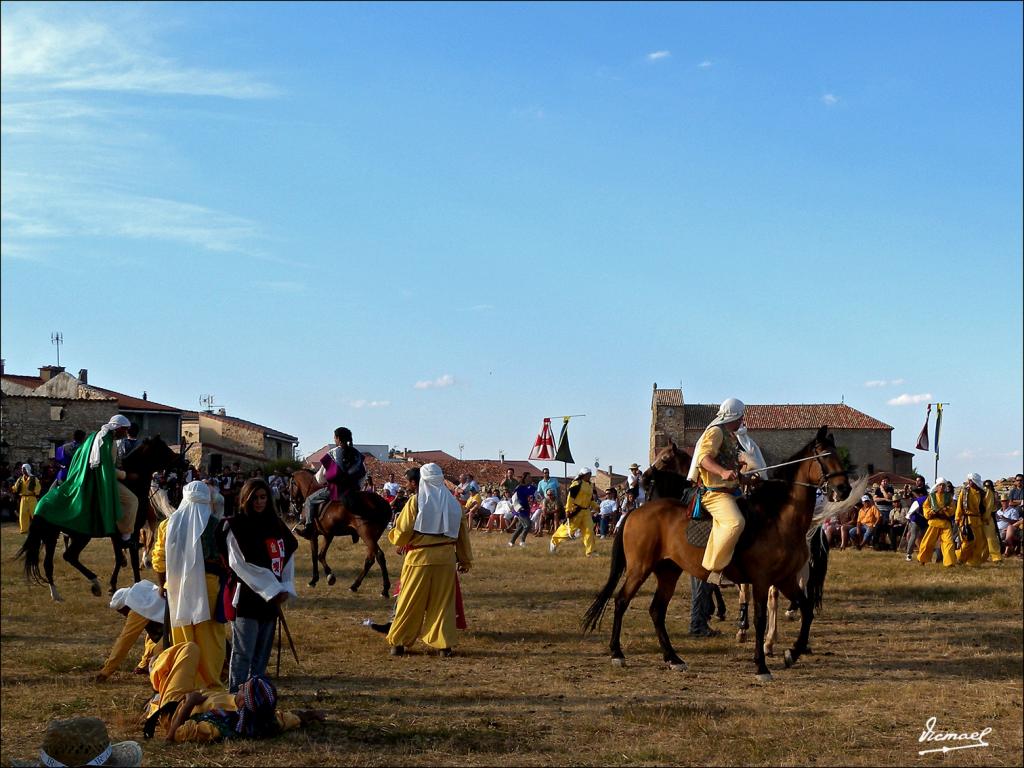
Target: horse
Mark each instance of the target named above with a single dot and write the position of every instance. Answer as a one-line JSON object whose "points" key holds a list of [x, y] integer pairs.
{"points": [[336, 519], [151, 455], [771, 550]]}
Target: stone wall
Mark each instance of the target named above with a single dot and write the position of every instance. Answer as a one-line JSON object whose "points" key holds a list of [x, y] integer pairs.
{"points": [[666, 422], [234, 436], [30, 431]]}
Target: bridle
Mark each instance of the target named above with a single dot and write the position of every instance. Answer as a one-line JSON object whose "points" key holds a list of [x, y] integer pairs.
{"points": [[823, 484]]}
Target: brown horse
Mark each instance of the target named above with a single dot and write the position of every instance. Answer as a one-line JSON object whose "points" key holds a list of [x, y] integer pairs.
{"points": [[772, 550], [336, 519]]}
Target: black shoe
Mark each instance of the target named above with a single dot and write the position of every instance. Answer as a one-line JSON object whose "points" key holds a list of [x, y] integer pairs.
{"points": [[446, 653], [397, 650]]}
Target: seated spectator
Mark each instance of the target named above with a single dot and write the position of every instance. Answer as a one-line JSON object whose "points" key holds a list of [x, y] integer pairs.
{"points": [[897, 522], [609, 507], [833, 531], [847, 524], [868, 519], [551, 512], [472, 507], [1008, 524], [486, 509], [883, 500], [502, 514]]}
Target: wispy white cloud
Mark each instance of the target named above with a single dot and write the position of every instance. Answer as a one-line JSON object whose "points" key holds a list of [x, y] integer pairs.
{"points": [[442, 381], [658, 55], [906, 399], [75, 54], [829, 99], [883, 383], [370, 403], [706, 64]]}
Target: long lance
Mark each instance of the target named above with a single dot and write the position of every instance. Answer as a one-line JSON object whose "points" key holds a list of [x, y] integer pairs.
{"points": [[282, 624], [786, 463]]}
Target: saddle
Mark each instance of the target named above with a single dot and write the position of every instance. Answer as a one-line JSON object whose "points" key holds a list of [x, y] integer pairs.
{"points": [[699, 530]]}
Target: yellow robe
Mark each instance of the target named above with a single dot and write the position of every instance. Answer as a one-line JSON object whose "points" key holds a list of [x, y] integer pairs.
{"points": [[426, 603], [969, 506], [991, 547], [210, 635], [939, 531], [726, 519], [577, 517], [134, 626], [29, 489]]}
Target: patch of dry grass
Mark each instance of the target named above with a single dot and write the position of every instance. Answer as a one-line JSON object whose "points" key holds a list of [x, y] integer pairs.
{"points": [[896, 644]]}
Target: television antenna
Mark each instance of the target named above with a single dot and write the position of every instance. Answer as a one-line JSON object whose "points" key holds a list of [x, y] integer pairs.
{"points": [[207, 402], [57, 338], [461, 446]]}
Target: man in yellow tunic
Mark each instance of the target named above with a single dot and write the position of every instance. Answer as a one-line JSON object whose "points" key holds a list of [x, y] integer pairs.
{"points": [[970, 505], [435, 536], [716, 461], [578, 502], [991, 547], [143, 609], [938, 511], [188, 566], [29, 488]]}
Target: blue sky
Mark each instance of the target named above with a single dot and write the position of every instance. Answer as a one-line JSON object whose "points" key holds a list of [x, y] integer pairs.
{"points": [[438, 224]]}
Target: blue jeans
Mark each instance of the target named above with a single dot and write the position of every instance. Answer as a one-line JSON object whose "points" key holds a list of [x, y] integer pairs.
{"points": [[251, 643], [702, 605]]}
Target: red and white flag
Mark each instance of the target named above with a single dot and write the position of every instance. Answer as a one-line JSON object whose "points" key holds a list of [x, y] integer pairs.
{"points": [[544, 445]]}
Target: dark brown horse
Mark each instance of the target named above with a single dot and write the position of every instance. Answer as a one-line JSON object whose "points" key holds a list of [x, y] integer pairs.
{"points": [[336, 519], [151, 455], [772, 550]]}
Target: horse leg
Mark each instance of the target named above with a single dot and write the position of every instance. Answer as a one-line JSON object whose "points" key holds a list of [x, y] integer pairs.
{"points": [[78, 543], [313, 542], [716, 592], [771, 632], [760, 623], [328, 538], [133, 554], [116, 542], [634, 580], [744, 622], [795, 592], [386, 591], [371, 547], [51, 548], [667, 574]]}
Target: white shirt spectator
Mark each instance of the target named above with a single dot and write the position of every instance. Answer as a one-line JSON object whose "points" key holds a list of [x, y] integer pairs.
{"points": [[490, 503], [391, 489], [608, 508]]}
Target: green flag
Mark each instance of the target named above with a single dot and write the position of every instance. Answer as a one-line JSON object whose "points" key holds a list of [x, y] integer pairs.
{"points": [[563, 453]]}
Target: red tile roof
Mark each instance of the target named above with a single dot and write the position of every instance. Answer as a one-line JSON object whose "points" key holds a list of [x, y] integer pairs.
{"points": [[129, 403], [426, 457], [772, 417], [251, 425], [26, 381], [668, 397]]}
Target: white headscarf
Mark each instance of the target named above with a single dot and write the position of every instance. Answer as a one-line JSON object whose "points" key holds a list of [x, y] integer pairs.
{"points": [[115, 423], [582, 472], [186, 574], [730, 410], [28, 468], [975, 478], [752, 451], [143, 597], [437, 511]]}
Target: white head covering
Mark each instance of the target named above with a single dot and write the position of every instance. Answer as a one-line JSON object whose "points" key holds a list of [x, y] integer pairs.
{"points": [[729, 411], [939, 482], [28, 468], [115, 422], [582, 472], [186, 575], [975, 478], [752, 450], [437, 511], [143, 597], [865, 497]]}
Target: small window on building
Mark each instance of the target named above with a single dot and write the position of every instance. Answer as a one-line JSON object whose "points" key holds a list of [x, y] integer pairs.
{"points": [[56, 413]]}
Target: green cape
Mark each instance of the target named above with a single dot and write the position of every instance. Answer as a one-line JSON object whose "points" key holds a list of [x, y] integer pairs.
{"points": [[87, 501]]}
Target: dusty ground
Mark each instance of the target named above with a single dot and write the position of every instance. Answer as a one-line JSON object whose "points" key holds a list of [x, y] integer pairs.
{"points": [[897, 643]]}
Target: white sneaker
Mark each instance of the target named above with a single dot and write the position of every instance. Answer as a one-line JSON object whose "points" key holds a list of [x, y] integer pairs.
{"points": [[551, 547], [511, 544], [522, 543]]}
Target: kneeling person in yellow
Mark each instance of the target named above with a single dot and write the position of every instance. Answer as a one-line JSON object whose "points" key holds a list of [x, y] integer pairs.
{"points": [[190, 570], [970, 504], [188, 713], [939, 509], [435, 536], [716, 461], [143, 609], [578, 502]]}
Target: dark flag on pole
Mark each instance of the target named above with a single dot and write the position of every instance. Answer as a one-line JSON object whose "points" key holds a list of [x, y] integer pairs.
{"points": [[922, 439], [563, 453], [938, 425]]}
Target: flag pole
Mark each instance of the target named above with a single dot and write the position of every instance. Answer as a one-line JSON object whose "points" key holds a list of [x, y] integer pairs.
{"points": [[938, 424]]}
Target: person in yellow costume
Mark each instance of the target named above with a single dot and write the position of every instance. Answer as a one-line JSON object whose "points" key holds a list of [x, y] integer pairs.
{"points": [[189, 568], [939, 509], [991, 548], [970, 505], [143, 609], [434, 534], [716, 463], [29, 488], [578, 502]]}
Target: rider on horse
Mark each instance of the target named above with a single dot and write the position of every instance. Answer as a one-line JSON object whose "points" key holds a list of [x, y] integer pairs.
{"points": [[339, 477], [92, 500]]}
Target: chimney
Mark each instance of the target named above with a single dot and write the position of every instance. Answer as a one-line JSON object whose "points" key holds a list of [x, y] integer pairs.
{"points": [[222, 412], [47, 372], [83, 375], [144, 395]]}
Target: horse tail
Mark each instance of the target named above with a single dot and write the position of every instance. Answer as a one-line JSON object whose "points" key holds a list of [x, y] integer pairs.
{"points": [[592, 618], [818, 567], [38, 532]]}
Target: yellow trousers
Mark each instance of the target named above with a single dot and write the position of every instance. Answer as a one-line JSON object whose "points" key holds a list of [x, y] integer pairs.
{"points": [[942, 534], [971, 552], [426, 607], [210, 636], [988, 539], [581, 520], [134, 626], [129, 507], [727, 525], [26, 509]]}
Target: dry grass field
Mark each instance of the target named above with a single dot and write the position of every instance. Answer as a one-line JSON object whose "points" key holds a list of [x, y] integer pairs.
{"points": [[897, 643]]}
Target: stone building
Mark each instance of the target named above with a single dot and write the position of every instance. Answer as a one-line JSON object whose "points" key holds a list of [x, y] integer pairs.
{"points": [[216, 441], [781, 430]]}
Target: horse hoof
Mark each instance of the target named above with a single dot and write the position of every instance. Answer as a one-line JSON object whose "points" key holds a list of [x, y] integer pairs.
{"points": [[787, 657], [95, 588], [618, 661], [312, 583], [330, 580], [384, 594], [354, 588], [741, 636], [765, 678], [55, 595], [677, 666]]}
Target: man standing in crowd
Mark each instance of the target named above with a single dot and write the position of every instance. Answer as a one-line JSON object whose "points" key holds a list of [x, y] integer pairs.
{"points": [[939, 509], [634, 480], [28, 487], [547, 483], [969, 510]]}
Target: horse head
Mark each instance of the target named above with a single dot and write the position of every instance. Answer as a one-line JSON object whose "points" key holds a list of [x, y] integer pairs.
{"points": [[828, 469], [151, 455], [671, 458]]}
